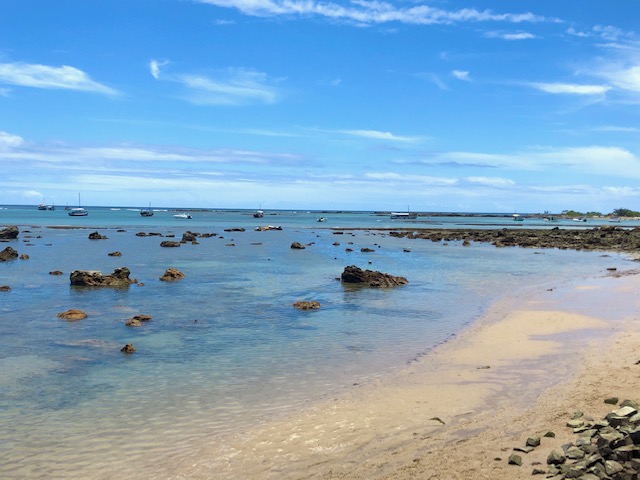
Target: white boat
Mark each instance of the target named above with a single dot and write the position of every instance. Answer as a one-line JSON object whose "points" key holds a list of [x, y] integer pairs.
{"points": [[580, 219], [78, 212], [182, 215], [322, 219], [258, 214], [614, 220], [404, 215]]}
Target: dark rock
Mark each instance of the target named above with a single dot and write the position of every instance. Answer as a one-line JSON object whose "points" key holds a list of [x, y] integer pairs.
{"points": [[236, 229], [55, 272], [138, 320], [24, 256], [169, 243], [73, 315], [94, 278], [189, 237], [355, 275], [115, 254], [171, 275], [307, 305], [96, 236], [297, 246], [367, 250], [9, 233], [128, 348], [8, 254], [5, 288]]}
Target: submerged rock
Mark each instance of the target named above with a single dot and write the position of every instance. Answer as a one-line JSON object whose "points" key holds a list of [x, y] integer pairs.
{"points": [[73, 315], [297, 246], [307, 305], [94, 278], [355, 275], [128, 348]]}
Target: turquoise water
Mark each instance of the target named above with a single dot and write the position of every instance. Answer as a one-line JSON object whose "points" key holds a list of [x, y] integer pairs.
{"points": [[225, 348]]}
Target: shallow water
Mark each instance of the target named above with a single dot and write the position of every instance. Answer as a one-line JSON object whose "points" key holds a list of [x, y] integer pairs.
{"points": [[225, 348]]}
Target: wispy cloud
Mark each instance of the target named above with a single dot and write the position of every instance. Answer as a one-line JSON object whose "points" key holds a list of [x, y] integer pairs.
{"points": [[378, 135], [48, 77], [233, 87], [461, 75], [371, 12], [9, 141], [511, 36], [571, 88], [155, 66], [491, 181]]}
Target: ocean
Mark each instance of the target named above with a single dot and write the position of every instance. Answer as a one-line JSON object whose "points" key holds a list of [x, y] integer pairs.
{"points": [[225, 348]]}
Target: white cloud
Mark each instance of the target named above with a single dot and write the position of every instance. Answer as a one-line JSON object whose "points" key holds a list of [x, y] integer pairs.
{"points": [[403, 178], [370, 12], [625, 78], [9, 141], [491, 181], [47, 77], [236, 86], [461, 74], [511, 36], [571, 88], [155, 66], [377, 135]]}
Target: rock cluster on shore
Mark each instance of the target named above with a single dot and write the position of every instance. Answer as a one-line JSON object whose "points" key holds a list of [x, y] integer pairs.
{"points": [[608, 449]]}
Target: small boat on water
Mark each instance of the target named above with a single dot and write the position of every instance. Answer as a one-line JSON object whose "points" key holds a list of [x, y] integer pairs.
{"points": [[147, 213], [322, 219], [403, 216], [181, 215], [614, 220], [79, 211], [258, 214], [580, 219], [517, 218]]}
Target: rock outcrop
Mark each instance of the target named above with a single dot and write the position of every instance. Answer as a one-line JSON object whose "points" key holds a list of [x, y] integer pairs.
{"points": [[297, 246], [9, 233], [137, 320], [169, 244], [8, 253], [128, 348], [94, 278], [73, 315], [356, 276], [97, 236], [171, 275]]}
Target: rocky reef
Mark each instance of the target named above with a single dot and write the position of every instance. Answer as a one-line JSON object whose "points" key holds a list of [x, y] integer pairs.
{"points": [[605, 238], [94, 278], [356, 276]]}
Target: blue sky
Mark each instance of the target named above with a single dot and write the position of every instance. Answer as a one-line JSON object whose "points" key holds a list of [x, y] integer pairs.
{"points": [[443, 105]]}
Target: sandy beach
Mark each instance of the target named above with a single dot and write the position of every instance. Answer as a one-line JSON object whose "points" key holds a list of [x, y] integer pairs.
{"points": [[458, 411]]}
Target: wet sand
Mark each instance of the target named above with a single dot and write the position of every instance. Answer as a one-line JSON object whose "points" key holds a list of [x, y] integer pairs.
{"points": [[458, 411]]}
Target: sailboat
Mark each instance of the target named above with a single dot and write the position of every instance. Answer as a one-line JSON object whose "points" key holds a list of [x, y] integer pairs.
{"points": [[78, 212], [147, 213]]}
